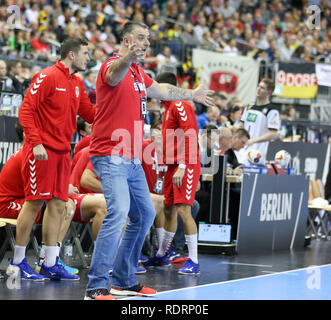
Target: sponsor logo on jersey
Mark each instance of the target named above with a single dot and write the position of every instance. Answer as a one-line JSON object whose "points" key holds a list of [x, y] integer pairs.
{"points": [[251, 117]]}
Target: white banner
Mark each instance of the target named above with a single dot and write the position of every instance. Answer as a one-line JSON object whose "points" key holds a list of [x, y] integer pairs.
{"points": [[323, 73], [236, 76]]}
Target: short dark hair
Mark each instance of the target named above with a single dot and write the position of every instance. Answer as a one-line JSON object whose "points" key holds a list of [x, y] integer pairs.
{"points": [[241, 132], [167, 77], [19, 131], [233, 109], [12, 64], [130, 26], [71, 44], [269, 83]]}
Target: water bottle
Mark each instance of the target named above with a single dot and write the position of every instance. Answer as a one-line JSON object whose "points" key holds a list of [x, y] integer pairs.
{"points": [[68, 252]]}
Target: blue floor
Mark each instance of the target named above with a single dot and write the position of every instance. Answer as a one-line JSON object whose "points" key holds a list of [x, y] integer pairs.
{"points": [[280, 275], [312, 283]]}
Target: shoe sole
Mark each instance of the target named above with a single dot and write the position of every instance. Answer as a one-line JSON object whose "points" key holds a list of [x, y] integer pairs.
{"points": [[88, 298], [156, 266], [57, 279], [11, 274], [141, 272], [116, 292], [189, 274]]}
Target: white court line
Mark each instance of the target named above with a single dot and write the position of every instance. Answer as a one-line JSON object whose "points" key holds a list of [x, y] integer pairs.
{"points": [[248, 264], [236, 280], [252, 196], [296, 221]]}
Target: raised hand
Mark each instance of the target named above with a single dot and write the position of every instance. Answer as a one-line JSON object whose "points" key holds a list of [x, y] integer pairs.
{"points": [[134, 51], [203, 96]]}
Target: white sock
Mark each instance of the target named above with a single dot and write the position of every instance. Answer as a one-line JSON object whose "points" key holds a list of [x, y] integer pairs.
{"points": [[51, 252], [165, 244], [59, 245], [42, 254], [19, 254], [159, 235], [192, 245]]}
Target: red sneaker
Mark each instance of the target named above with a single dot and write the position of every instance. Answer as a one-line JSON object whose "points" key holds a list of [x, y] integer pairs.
{"points": [[137, 290]]}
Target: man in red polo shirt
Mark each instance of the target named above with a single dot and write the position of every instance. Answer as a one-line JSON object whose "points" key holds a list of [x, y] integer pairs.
{"points": [[48, 117], [115, 149]]}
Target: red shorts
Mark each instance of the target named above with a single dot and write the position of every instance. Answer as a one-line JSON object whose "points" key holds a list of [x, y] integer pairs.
{"points": [[11, 209], [186, 193], [78, 199], [45, 179]]}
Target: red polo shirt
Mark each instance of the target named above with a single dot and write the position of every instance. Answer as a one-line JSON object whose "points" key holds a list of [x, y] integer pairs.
{"points": [[118, 127]]}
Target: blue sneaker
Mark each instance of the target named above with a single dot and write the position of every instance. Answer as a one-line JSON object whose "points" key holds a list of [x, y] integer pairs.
{"points": [[142, 258], [69, 269], [57, 272], [140, 270], [155, 261], [175, 256], [190, 268], [24, 271]]}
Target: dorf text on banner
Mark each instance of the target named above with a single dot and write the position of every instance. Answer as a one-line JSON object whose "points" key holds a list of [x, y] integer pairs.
{"points": [[296, 80], [236, 76]]}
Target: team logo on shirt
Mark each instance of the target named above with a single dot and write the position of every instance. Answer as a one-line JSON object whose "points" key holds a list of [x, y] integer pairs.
{"points": [[36, 84], [189, 182], [33, 183], [251, 117], [77, 91], [181, 111]]}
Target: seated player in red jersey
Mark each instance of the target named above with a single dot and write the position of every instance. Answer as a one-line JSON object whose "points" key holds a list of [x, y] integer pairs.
{"points": [[84, 129]]}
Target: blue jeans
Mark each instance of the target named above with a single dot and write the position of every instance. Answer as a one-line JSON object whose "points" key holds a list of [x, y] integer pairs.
{"points": [[126, 192]]}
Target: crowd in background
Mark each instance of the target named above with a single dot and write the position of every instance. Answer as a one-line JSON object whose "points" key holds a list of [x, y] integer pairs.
{"points": [[268, 30]]}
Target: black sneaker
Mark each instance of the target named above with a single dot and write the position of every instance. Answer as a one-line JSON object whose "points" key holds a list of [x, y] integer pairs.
{"points": [[98, 294]]}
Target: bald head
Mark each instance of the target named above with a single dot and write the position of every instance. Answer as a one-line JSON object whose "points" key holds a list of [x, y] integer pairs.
{"points": [[225, 132]]}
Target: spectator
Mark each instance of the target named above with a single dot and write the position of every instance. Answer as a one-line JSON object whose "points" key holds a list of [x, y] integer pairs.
{"points": [[90, 81], [234, 115], [208, 117], [6, 83], [201, 27], [165, 58], [227, 10], [231, 47], [188, 36], [221, 102], [15, 74]]}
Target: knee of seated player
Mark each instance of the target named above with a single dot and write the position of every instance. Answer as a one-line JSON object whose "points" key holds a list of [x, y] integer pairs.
{"points": [[158, 202], [55, 206], [184, 211], [100, 212], [70, 209]]}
